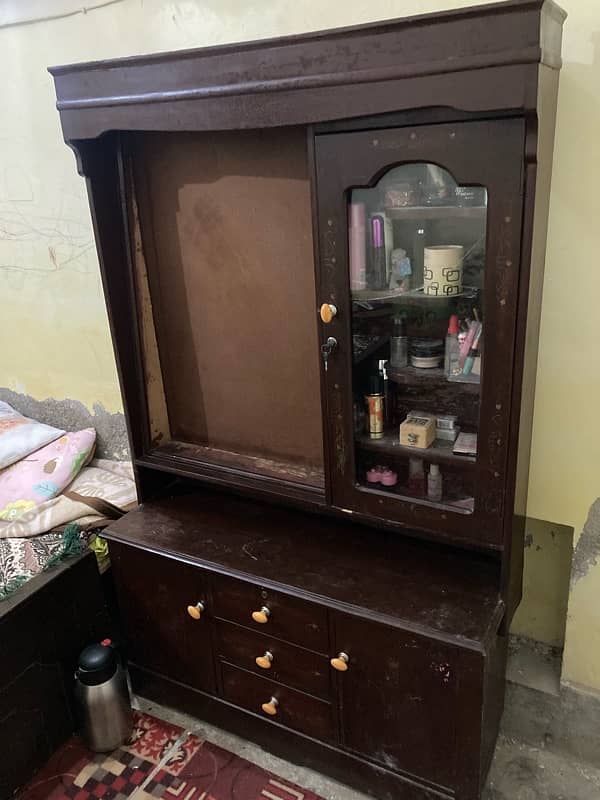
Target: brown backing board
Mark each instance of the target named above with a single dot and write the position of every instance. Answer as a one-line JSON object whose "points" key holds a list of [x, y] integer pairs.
{"points": [[227, 233]]}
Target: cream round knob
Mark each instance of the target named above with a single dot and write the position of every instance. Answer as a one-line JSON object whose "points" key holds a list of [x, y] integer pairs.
{"points": [[264, 662], [261, 616], [270, 708], [341, 662], [327, 312], [195, 612]]}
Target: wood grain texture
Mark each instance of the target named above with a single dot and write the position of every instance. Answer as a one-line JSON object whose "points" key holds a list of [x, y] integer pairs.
{"points": [[421, 587], [395, 676], [289, 618], [292, 666], [154, 594], [295, 710], [449, 59], [417, 704]]}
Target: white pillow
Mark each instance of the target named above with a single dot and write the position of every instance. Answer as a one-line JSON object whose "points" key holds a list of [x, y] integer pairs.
{"points": [[20, 436]]}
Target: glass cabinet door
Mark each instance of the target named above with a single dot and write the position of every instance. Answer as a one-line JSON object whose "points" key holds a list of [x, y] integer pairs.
{"points": [[416, 268], [424, 313]]}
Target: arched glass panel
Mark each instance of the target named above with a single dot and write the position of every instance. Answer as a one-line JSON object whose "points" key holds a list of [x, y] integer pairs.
{"points": [[417, 266]]}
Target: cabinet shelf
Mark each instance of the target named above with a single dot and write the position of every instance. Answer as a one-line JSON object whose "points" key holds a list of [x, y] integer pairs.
{"points": [[432, 378], [395, 295], [440, 452], [434, 212]]}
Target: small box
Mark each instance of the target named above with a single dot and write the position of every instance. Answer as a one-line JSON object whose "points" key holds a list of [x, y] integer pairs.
{"points": [[446, 422], [466, 444], [416, 412], [447, 435], [417, 432]]}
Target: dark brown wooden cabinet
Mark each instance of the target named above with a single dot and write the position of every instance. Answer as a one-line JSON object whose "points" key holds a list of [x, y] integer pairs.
{"points": [[416, 626], [288, 232]]}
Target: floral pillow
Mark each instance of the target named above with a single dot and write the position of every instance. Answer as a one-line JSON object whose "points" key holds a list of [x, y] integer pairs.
{"points": [[44, 474], [20, 435]]}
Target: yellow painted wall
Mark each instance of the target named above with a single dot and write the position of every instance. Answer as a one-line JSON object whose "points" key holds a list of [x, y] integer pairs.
{"points": [[54, 338]]}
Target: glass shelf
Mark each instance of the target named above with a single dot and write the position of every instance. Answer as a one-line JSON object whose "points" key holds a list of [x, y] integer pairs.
{"points": [[411, 376], [439, 452], [385, 295], [461, 504], [434, 212]]}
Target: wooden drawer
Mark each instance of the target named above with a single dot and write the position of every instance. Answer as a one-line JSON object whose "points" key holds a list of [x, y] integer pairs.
{"points": [[294, 666], [295, 710], [291, 619]]}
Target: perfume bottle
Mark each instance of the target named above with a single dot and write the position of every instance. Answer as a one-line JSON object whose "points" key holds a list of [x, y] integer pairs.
{"points": [[357, 246], [434, 483], [399, 344], [416, 477], [378, 273], [452, 351]]}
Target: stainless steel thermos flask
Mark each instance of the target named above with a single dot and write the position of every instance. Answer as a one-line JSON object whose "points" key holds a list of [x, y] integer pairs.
{"points": [[102, 698]]}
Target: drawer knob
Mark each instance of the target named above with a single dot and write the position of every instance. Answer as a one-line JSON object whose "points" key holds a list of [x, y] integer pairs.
{"points": [[270, 708], [327, 312], [195, 612], [264, 662], [341, 662], [261, 616]]}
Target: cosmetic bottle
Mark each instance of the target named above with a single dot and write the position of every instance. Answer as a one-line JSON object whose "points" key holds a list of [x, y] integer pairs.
{"points": [[378, 271], [357, 245], [416, 477], [467, 342], [387, 393], [473, 352], [375, 407], [451, 353], [399, 344], [434, 483]]}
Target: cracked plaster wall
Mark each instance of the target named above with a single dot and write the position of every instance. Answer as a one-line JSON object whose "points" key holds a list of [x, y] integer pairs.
{"points": [[54, 337]]}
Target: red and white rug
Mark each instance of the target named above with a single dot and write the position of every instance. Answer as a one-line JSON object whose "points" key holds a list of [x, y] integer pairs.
{"points": [[160, 761]]}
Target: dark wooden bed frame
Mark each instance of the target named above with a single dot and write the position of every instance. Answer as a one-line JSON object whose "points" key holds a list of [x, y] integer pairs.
{"points": [[43, 627]]}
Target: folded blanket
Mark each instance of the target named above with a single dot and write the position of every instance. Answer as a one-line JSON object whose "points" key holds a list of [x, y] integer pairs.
{"points": [[108, 481]]}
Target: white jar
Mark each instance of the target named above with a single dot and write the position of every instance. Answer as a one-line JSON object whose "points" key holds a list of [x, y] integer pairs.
{"points": [[442, 272]]}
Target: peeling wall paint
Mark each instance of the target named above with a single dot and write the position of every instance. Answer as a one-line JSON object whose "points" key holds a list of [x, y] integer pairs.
{"points": [[587, 551], [581, 664], [54, 337], [72, 415]]}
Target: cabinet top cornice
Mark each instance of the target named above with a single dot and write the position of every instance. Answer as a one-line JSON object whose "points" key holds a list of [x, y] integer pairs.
{"points": [[348, 72]]}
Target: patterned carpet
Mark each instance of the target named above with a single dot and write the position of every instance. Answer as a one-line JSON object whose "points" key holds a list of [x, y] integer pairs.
{"points": [[160, 761]]}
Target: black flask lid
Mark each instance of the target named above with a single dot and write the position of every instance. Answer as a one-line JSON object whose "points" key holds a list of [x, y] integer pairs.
{"points": [[97, 664]]}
